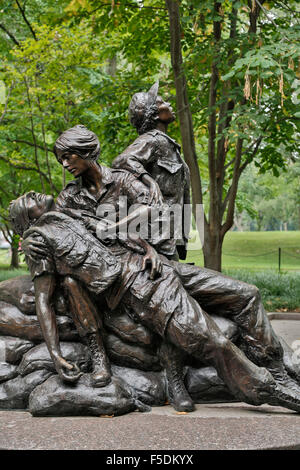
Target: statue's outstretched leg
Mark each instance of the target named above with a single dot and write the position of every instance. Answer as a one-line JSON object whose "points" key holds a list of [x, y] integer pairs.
{"points": [[165, 307], [198, 335], [88, 324], [241, 302]]}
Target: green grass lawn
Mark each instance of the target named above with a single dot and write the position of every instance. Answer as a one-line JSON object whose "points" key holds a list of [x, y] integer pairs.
{"points": [[5, 271], [256, 251]]}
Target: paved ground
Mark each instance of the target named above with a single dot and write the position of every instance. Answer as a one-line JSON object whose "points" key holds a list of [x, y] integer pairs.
{"points": [[288, 329], [211, 427]]}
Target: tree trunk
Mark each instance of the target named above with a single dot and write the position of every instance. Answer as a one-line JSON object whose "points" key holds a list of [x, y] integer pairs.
{"points": [[212, 250], [183, 105], [219, 120], [112, 66], [14, 261]]}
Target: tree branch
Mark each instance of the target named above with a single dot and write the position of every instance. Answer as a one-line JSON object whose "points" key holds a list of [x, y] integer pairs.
{"points": [[22, 10], [46, 148], [241, 169], [225, 113], [255, 8], [27, 168], [246, 163], [33, 134], [12, 37], [231, 195], [182, 101], [5, 234], [20, 141], [229, 163], [212, 123]]}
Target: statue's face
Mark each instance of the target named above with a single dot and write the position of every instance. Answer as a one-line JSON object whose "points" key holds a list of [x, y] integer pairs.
{"points": [[165, 111], [37, 204], [73, 163]]}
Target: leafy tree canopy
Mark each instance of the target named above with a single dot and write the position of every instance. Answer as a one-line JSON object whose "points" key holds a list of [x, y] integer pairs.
{"points": [[68, 62]]}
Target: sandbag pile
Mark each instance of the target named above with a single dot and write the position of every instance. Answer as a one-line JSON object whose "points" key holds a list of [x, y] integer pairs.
{"points": [[28, 379]]}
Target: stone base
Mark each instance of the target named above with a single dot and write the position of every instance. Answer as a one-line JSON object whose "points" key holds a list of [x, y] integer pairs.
{"points": [[227, 426]]}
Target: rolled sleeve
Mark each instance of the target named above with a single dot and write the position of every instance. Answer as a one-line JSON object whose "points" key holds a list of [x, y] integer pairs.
{"points": [[41, 266]]}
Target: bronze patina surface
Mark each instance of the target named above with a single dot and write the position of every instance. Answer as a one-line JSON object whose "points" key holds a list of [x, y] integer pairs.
{"points": [[108, 323]]}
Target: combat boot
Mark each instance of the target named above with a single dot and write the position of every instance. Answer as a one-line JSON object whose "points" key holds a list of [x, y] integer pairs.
{"points": [[281, 376], [281, 396], [101, 375], [178, 395]]}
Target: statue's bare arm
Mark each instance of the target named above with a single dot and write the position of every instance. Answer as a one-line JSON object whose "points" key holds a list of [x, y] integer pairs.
{"points": [[44, 287]]}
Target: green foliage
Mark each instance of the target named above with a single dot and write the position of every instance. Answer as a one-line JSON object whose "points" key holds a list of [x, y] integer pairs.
{"points": [[80, 61], [271, 204], [261, 67], [280, 292]]}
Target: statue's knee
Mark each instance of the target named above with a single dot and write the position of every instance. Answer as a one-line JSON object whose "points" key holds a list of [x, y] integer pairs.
{"points": [[251, 292], [254, 291]]}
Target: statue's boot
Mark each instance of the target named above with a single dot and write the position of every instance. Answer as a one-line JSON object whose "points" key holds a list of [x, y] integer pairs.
{"points": [[250, 383], [198, 335], [259, 386], [282, 377], [101, 375], [179, 398], [178, 395], [282, 396]]}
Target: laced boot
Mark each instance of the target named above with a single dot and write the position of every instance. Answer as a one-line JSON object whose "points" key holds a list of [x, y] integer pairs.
{"points": [[280, 374], [101, 375], [178, 395], [282, 396], [272, 392]]}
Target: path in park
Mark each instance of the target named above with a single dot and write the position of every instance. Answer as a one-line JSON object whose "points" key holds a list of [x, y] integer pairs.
{"points": [[212, 427]]}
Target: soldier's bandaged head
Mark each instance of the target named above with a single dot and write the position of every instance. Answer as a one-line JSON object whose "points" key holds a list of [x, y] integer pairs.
{"points": [[80, 141], [143, 111], [19, 215]]}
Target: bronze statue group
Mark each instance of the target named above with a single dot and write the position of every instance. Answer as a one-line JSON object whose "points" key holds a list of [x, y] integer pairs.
{"points": [[143, 278]]}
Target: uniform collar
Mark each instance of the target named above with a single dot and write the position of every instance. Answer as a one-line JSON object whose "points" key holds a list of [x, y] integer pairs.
{"points": [[106, 181], [158, 132]]}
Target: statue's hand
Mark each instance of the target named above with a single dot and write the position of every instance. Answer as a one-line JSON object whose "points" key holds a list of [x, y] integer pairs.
{"points": [[155, 194], [152, 258], [34, 249], [154, 190], [68, 371]]}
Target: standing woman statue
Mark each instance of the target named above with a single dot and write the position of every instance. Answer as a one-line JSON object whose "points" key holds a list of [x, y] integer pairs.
{"points": [[155, 159]]}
